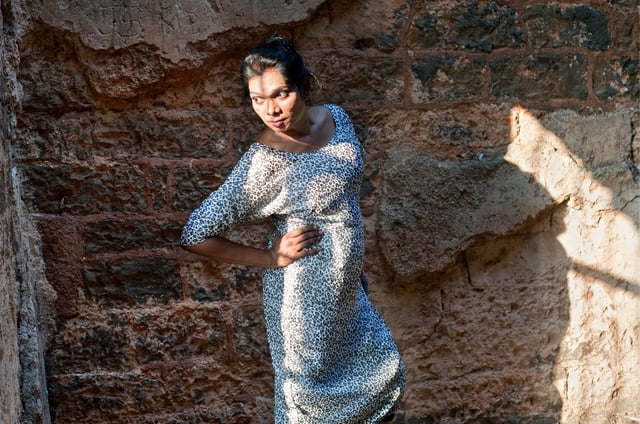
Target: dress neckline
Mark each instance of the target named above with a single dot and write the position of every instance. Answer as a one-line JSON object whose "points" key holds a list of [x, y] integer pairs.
{"points": [[327, 144]]}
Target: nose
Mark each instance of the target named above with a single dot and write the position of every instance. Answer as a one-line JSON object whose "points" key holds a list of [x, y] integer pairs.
{"points": [[272, 107]]}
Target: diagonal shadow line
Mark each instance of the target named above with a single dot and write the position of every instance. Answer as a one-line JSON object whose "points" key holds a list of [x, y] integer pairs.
{"points": [[605, 277]]}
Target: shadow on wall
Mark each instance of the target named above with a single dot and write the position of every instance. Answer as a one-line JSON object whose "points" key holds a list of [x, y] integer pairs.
{"points": [[589, 166], [544, 262]]}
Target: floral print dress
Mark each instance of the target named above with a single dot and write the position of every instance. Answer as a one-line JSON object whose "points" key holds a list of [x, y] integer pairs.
{"points": [[334, 358]]}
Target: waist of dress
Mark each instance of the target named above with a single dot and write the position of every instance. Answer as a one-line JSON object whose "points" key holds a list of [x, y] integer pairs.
{"points": [[351, 223]]}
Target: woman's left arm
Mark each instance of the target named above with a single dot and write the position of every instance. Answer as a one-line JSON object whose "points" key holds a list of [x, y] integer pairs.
{"points": [[284, 250]]}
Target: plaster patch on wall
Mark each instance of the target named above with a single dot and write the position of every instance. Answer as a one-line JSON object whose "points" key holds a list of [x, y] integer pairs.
{"points": [[170, 26]]}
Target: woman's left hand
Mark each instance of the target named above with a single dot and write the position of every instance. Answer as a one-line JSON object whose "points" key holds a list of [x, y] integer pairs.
{"points": [[294, 245]]}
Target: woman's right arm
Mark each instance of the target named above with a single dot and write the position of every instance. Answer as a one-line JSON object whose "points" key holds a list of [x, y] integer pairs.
{"points": [[284, 250]]}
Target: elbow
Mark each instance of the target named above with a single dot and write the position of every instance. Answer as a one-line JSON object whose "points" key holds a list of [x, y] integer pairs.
{"points": [[199, 248], [186, 245]]}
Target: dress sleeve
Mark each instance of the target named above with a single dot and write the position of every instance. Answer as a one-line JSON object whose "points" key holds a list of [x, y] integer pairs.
{"points": [[231, 203]]}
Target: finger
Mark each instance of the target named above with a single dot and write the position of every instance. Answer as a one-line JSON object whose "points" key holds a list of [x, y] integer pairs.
{"points": [[305, 241], [305, 229], [313, 251]]}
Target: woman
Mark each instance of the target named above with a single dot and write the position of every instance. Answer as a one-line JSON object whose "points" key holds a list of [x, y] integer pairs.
{"points": [[333, 356]]}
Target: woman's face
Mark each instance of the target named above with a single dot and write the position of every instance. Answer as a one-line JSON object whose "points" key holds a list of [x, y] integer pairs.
{"points": [[278, 104]]}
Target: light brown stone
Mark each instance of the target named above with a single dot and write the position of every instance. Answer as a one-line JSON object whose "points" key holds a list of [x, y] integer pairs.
{"points": [[502, 238]]}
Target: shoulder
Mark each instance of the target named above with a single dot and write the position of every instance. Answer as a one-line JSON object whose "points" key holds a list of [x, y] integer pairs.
{"points": [[337, 112], [342, 121]]}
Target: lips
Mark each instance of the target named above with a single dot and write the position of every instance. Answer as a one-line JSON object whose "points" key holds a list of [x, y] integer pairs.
{"points": [[277, 123]]}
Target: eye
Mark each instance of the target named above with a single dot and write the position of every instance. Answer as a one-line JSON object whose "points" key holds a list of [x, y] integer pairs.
{"points": [[257, 100], [283, 94]]}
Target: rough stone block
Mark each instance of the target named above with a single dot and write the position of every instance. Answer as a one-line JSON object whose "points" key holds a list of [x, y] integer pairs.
{"points": [[463, 200], [540, 77], [83, 190], [39, 137], [112, 236], [172, 134], [222, 86], [105, 397], [367, 79], [133, 281], [192, 384], [617, 78], [444, 134], [378, 26], [119, 340], [178, 334], [51, 76], [193, 185], [208, 282], [157, 180], [550, 26], [169, 30], [250, 333], [112, 136], [446, 77], [612, 130], [622, 35], [62, 250], [467, 25], [80, 347]]}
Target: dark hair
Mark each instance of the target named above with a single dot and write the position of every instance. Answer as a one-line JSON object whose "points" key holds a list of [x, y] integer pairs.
{"points": [[280, 53]]}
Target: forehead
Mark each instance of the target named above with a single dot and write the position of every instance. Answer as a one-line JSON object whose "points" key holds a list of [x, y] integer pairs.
{"points": [[268, 80]]}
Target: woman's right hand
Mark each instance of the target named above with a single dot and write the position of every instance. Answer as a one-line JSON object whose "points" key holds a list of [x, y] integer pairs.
{"points": [[294, 245]]}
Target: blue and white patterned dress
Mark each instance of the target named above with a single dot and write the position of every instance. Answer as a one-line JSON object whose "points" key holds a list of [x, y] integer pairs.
{"points": [[334, 358]]}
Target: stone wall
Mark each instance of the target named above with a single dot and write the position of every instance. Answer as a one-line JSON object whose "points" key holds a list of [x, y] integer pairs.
{"points": [[10, 407], [25, 319], [501, 201]]}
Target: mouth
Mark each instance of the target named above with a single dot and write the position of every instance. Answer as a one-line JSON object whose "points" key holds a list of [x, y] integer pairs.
{"points": [[277, 123]]}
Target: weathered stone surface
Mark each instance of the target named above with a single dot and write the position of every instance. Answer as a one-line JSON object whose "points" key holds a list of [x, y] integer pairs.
{"points": [[520, 306], [615, 78], [469, 25], [363, 78], [133, 281], [25, 297], [539, 77], [443, 77], [551, 26], [120, 340], [250, 333], [169, 28], [95, 189], [379, 25], [182, 134], [612, 130], [446, 134], [106, 396], [51, 76], [622, 34], [146, 395], [62, 247], [195, 185], [207, 282], [430, 215], [158, 180], [119, 236]]}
